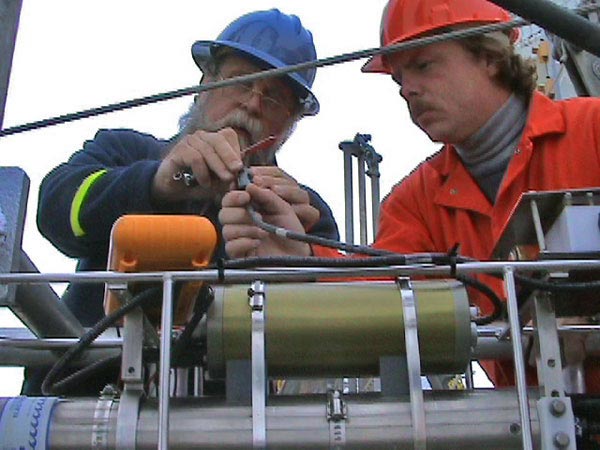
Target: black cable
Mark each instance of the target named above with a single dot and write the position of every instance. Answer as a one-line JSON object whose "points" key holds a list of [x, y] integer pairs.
{"points": [[346, 57], [49, 384], [203, 302], [396, 259], [61, 386], [557, 287], [497, 304]]}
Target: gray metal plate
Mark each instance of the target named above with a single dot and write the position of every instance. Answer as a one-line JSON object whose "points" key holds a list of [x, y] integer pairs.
{"points": [[14, 189]]}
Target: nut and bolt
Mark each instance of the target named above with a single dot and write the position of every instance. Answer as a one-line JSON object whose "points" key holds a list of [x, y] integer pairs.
{"points": [[561, 439], [557, 408]]}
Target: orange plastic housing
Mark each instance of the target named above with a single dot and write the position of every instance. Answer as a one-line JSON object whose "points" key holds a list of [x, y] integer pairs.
{"points": [[150, 243]]}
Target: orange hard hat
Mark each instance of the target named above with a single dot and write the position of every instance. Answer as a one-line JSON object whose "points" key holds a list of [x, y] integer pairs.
{"points": [[403, 20]]}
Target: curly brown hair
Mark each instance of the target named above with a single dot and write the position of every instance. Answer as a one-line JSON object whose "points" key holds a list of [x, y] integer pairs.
{"points": [[514, 72]]}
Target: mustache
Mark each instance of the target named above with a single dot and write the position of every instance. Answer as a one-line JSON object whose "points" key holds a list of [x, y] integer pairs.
{"points": [[240, 119]]}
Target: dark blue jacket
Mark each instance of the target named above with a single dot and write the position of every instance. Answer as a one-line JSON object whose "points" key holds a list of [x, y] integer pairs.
{"points": [[131, 159]]}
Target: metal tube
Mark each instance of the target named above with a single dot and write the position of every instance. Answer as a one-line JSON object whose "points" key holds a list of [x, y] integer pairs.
{"points": [[302, 274], [38, 306], [515, 330], [467, 420], [348, 197], [375, 203], [165, 363], [362, 199]]}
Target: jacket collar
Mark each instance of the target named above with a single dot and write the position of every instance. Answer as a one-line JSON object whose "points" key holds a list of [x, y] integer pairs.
{"points": [[459, 190], [545, 117]]}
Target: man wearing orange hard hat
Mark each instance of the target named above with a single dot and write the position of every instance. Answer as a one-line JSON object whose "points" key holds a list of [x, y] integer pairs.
{"points": [[500, 139]]}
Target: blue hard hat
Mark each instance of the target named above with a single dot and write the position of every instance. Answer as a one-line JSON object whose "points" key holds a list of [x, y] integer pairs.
{"points": [[273, 38]]}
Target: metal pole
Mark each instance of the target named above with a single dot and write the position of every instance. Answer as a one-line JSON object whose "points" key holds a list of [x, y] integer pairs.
{"points": [[10, 10], [362, 199], [515, 334], [348, 195], [165, 363]]}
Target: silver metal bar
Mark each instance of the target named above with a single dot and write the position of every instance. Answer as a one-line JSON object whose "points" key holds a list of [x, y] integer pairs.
{"points": [[39, 307], [413, 359], [548, 361], [165, 363], [348, 197], [537, 225], [131, 374], [362, 198], [554, 409], [257, 303], [375, 199], [515, 330], [235, 276]]}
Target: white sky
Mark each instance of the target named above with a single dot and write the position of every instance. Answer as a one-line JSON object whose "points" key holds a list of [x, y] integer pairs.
{"points": [[72, 55]]}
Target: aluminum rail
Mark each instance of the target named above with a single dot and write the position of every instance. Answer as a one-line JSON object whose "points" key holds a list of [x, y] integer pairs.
{"points": [[233, 276]]}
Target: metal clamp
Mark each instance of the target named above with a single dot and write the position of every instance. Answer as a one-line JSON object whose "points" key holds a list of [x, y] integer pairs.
{"points": [[101, 424], [413, 359], [256, 300], [336, 416]]}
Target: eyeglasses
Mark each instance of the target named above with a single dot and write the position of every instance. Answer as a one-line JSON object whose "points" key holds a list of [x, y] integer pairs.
{"points": [[275, 102]]}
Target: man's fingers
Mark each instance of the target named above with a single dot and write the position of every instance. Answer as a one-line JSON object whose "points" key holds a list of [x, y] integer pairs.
{"points": [[307, 215], [242, 248]]}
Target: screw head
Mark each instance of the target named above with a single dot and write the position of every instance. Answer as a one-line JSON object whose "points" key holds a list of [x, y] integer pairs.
{"points": [[561, 439], [557, 407]]}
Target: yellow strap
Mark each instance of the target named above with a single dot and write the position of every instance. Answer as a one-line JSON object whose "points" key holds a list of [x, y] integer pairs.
{"points": [[78, 200]]}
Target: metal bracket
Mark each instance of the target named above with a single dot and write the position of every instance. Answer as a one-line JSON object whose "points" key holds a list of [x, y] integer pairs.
{"points": [[336, 416], [554, 409], [101, 424], [413, 359], [257, 302], [131, 373], [557, 429]]}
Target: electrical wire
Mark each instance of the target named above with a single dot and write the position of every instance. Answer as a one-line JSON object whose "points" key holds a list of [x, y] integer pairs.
{"points": [[552, 286], [396, 259], [497, 303], [49, 385], [388, 258]]}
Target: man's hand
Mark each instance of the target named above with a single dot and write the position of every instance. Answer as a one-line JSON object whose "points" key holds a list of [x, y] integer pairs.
{"points": [[286, 187], [243, 238], [214, 160]]}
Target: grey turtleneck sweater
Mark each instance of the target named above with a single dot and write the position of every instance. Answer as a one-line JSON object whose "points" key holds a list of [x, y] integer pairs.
{"points": [[486, 153]]}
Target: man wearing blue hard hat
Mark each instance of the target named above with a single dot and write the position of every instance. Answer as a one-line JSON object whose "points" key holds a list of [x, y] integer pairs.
{"points": [[124, 171]]}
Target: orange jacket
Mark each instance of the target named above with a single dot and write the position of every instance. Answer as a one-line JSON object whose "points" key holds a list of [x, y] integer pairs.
{"points": [[439, 204]]}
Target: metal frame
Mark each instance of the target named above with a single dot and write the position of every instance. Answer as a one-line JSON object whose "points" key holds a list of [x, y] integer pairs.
{"points": [[546, 405]]}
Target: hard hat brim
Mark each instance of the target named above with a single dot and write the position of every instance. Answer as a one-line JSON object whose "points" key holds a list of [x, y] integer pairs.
{"points": [[202, 52]]}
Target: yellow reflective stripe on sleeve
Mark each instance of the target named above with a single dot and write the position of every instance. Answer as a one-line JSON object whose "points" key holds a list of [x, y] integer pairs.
{"points": [[78, 200]]}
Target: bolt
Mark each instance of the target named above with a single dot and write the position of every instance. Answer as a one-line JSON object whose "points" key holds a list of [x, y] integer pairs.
{"points": [[557, 407], [109, 391], [515, 428], [131, 369], [551, 363], [561, 440]]}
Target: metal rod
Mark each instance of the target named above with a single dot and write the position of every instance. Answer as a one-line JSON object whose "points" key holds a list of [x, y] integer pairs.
{"points": [[234, 276], [515, 330], [348, 197], [362, 199], [413, 359], [537, 225], [165, 363]]}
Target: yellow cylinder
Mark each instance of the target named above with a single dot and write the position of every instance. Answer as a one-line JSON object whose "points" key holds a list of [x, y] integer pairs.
{"points": [[341, 329]]}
